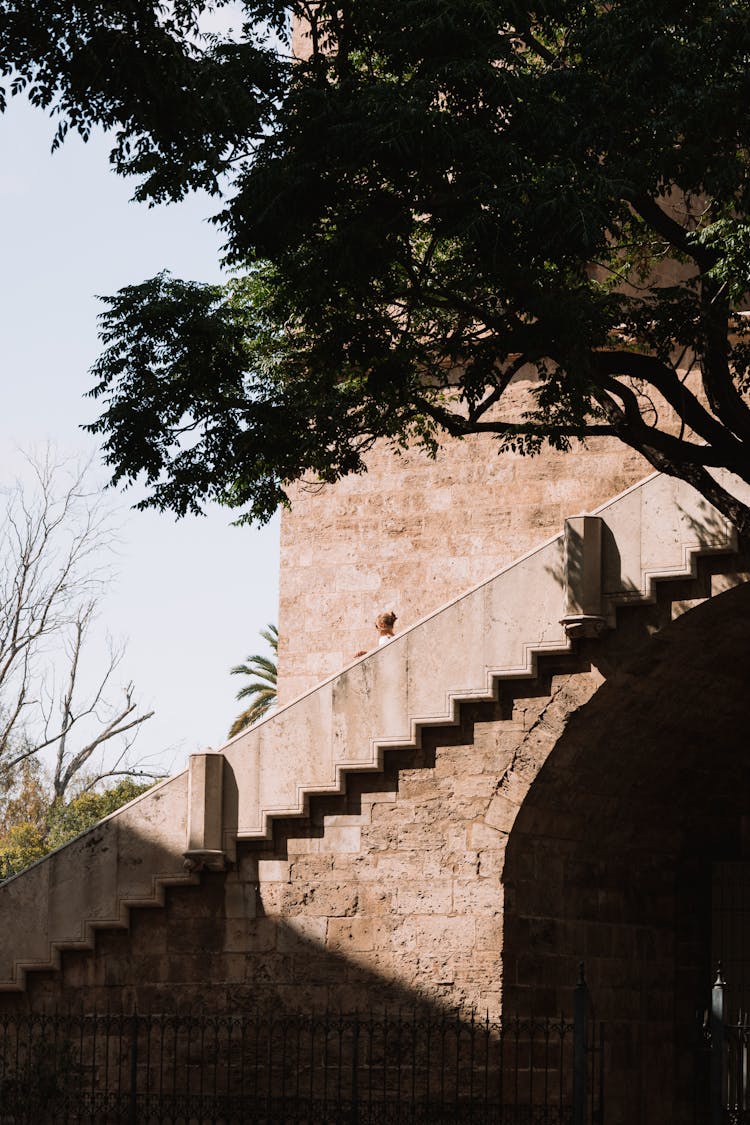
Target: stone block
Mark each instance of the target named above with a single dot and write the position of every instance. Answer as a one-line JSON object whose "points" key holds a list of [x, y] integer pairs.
{"points": [[339, 901], [354, 935], [270, 968], [398, 866], [439, 933], [295, 933], [240, 899], [502, 811], [417, 787], [277, 898], [312, 969], [489, 933], [261, 935], [490, 865], [330, 900], [193, 935], [247, 865], [236, 937], [232, 968], [480, 896], [342, 820], [480, 836], [722, 582], [343, 839], [319, 868], [435, 897], [193, 969], [374, 899], [387, 797], [386, 810], [439, 971], [476, 786], [684, 605], [484, 966], [304, 845], [381, 837], [274, 871], [418, 837]]}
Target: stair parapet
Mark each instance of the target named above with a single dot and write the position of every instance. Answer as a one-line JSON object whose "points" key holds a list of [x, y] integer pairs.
{"points": [[655, 530], [91, 882], [570, 585]]}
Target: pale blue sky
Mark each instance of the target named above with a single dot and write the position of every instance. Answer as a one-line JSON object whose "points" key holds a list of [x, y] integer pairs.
{"points": [[192, 595]]}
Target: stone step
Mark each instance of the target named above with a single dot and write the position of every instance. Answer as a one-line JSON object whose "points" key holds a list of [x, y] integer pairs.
{"points": [[569, 587]]}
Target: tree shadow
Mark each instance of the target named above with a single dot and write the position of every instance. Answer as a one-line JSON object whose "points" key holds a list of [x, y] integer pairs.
{"points": [[255, 976], [610, 856]]}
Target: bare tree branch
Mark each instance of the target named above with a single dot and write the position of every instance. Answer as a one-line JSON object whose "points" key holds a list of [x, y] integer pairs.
{"points": [[56, 545]]}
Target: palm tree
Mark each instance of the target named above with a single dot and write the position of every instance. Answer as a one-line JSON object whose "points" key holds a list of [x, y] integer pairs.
{"points": [[262, 689]]}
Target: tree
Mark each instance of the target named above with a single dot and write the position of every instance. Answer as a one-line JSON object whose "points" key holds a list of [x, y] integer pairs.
{"points": [[262, 687], [56, 538], [438, 196], [33, 822]]}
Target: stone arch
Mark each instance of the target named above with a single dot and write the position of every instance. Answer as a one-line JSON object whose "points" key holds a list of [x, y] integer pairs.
{"points": [[611, 854]]}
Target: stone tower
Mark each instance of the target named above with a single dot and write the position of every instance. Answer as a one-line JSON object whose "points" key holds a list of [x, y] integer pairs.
{"points": [[412, 533]]}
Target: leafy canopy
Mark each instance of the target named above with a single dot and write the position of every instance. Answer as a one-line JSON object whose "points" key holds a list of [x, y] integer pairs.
{"points": [[431, 197], [33, 821]]}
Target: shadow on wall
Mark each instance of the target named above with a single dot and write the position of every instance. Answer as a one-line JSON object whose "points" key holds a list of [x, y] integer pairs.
{"points": [[611, 855], [285, 1031], [234, 991]]}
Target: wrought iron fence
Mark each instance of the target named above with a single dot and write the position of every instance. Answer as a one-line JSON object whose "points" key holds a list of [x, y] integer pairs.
{"points": [[725, 1046], [407, 1068]]}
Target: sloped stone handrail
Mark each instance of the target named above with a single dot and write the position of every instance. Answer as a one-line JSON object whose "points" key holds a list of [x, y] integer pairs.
{"points": [[126, 860], [497, 630]]}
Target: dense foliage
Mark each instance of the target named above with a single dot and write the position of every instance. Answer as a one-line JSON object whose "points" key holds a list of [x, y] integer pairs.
{"points": [[33, 822], [436, 196]]}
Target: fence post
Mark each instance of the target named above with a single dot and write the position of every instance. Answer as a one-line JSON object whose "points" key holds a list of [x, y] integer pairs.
{"points": [[580, 1012], [133, 1095], [355, 1072], [718, 1016]]}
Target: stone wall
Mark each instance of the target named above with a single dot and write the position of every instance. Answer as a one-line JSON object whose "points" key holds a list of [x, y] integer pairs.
{"points": [[393, 890], [413, 533], [573, 819], [612, 852]]}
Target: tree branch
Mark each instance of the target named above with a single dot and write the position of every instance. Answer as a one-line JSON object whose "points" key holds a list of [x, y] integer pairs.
{"points": [[636, 365], [674, 233], [721, 392]]}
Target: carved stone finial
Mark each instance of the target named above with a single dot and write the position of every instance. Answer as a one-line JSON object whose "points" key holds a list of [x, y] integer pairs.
{"points": [[583, 625], [205, 859]]}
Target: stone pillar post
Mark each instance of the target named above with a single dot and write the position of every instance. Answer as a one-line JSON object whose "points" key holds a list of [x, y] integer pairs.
{"points": [[204, 841], [583, 576]]}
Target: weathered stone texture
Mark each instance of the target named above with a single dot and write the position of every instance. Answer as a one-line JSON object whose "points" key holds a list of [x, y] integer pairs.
{"points": [[393, 891], [412, 533], [477, 871]]}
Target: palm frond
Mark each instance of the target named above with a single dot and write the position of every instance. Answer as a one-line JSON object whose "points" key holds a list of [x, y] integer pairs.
{"points": [[262, 691], [271, 635], [262, 687], [256, 666], [247, 718]]}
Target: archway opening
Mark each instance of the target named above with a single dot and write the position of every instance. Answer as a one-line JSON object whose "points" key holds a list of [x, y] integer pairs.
{"points": [[631, 852]]}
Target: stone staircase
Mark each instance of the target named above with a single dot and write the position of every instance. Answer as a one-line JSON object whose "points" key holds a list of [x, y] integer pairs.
{"points": [[570, 586]]}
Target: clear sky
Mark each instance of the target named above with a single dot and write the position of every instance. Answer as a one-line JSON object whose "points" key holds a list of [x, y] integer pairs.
{"points": [[191, 595]]}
